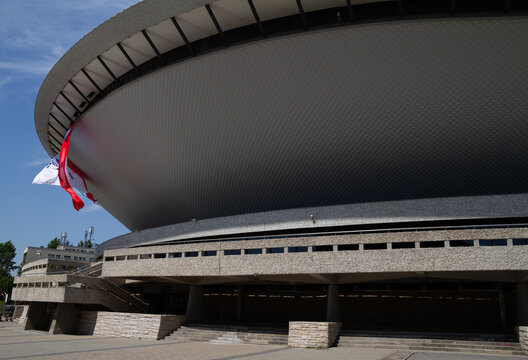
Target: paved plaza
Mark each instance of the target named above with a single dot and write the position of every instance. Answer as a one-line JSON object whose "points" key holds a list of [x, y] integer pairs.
{"points": [[18, 344]]}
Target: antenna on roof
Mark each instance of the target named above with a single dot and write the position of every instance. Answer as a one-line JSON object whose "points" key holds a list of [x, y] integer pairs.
{"points": [[64, 235]]}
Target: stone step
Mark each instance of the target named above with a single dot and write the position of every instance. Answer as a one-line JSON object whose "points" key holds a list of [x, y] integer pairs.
{"points": [[413, 345], [429, 335], [229, 334], [428, 341], [497, 348]]}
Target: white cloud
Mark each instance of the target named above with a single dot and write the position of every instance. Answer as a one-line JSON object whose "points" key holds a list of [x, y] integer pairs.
{"points": [[33, 68], [38, 162]]}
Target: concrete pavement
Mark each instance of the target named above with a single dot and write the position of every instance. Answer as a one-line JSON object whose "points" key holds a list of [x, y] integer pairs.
{"points": [[18, 344]]}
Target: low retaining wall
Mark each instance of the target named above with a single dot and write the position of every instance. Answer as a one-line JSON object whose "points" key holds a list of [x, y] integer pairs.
{"points": [[309, 334], [129, 325], [523, 337]]}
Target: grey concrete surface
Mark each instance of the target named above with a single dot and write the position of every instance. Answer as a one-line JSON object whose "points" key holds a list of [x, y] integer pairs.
{"points": [[458, 356], [18, 344]]}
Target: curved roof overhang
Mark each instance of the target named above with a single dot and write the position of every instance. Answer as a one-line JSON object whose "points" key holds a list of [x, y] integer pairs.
{"points": [[169, 31], [134, 37], [346, 114]]}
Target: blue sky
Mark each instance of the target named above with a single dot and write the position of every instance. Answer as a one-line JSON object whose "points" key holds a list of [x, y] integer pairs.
{"points": [[34, 34]]}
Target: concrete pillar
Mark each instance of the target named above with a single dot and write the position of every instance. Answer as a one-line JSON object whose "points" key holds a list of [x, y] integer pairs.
{"points": [[333, 312], [502, 305], [240, 305], [522, 304], [195, 304], [65, 319]]}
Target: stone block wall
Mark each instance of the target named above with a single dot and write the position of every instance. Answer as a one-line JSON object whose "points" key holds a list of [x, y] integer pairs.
{"points": [[310, 334], [523, 338], [130, 325]]}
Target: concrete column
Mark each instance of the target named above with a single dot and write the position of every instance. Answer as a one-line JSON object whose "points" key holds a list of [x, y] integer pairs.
{"points": [[240, 305], [65, 319], [522, 304], [333, 312], [195, 304]]}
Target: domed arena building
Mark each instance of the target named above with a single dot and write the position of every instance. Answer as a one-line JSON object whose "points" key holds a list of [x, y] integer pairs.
{"points": [[355, 163]]}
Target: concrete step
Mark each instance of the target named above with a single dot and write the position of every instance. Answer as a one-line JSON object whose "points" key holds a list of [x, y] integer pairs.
{"points": [[230, 334], [482, 347]]}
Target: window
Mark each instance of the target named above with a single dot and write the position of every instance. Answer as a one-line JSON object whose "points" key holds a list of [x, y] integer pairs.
{"points": [[109, 258], [520, 242], [160, 256], [191, 254], [461, 243], [253, 251], [132, 257], [298, 249], [120, 258], [431, 244], [323, 248], [67, 256], [347, 247], [403, 245], [275, 250], [175, 255], [51, 256], [209, 253], [375, 246], [232, 252], [75, 258], [493, 242], [145, 256]]}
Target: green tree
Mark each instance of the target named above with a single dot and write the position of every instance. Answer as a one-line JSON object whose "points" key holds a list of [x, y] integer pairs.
{"points": [[7, 264], [7, 258], [53, 244], [85, 244]]}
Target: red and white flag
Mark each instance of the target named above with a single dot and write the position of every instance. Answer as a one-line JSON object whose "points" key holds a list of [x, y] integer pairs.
{"points": [[68, 176]]}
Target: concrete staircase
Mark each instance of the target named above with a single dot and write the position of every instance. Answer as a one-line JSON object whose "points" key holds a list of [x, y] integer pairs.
{"points": [[230, 334], [484, 344], [93, 270]]}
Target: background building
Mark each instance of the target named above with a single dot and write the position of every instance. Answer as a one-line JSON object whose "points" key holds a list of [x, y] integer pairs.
{"points": [[361, 162]]}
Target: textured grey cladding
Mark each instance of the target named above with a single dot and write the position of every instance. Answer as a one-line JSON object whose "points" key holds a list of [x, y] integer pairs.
{"points": [[378, 112]]}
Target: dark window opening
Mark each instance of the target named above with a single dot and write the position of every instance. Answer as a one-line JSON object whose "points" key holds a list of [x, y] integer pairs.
{"points": [[347, 247], [160, 256], [431, 244], [276, 250], [297, 249], [132, 257], [175, 255], [376, 246], [520, 242], [232, 252], [253, 251], [120, 258], [461, 243], [493, 242], [323, 248], [145, 256], [403, 245], [191, 254], [209, 253], [109, 258]]}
